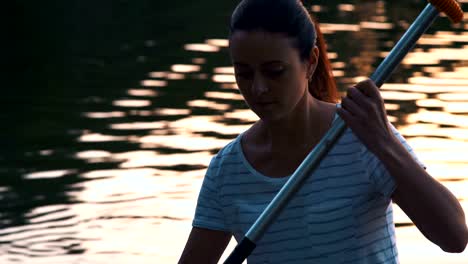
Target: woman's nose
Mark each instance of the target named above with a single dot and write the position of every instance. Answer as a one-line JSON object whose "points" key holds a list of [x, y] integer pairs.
{"points": [[259, 86]]}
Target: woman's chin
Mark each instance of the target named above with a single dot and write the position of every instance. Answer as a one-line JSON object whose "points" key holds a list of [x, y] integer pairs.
{"points": [[268, 116]]}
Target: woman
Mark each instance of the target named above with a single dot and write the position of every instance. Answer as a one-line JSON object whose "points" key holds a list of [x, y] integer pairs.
{"points": [[343, 212]]}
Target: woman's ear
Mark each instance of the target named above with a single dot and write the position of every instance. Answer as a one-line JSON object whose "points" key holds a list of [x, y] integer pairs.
{"points": [[312, 62]]}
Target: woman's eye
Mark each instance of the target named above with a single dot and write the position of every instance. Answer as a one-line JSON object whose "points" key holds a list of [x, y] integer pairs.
{"points": [[245, 75], [269, 73], [275, 73]]}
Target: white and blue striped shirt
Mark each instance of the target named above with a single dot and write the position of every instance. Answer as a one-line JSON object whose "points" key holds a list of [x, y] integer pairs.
{"points": [[342, 213]]}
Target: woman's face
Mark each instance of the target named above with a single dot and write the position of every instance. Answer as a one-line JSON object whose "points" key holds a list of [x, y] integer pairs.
{"points": [[269, 72]]}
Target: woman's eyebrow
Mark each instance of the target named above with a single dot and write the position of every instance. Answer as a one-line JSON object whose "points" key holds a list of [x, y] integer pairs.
{"points": [[263, 64]]}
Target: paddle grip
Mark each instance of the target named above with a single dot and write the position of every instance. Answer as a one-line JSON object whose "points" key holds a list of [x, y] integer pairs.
{"points": [[449, 7]]}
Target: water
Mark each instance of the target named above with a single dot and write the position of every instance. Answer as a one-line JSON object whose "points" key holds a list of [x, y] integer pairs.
{"points": [[119, 107]]}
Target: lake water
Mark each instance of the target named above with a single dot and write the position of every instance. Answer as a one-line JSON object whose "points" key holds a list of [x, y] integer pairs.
{"points": [[118, 107]]}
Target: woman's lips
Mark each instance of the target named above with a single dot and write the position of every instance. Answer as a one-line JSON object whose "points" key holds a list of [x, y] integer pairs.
{"points": [[266, 103]]}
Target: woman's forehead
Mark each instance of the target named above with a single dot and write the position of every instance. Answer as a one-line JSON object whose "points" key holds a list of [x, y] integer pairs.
{"points": [[255, 46]]}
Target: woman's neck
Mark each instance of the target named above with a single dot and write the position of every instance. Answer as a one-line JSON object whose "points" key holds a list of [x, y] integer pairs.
{"points": [[300, 130]]}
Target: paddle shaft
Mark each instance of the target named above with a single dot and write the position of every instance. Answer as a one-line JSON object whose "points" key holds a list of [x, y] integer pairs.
{"points": [[313, 159]]}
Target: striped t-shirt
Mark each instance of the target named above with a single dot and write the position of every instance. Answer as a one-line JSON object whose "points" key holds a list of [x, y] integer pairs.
{"points": [[342, 213]]}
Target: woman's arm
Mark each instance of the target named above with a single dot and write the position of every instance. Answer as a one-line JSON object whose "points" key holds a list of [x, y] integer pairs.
{"points": [[431, 206], [204, 246]]}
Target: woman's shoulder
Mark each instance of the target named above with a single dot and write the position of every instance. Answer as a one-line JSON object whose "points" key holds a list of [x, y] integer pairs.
{"points": [[229, 152], [226, 160], [233, 148]]}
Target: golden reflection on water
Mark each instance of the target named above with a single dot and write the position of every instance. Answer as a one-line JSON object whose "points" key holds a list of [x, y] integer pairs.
{"points": [[93, 155], [231, 86], [208, 104], [157, 74], [150, 221], [338, 73], [433, 40], [454, 36], [180, 142], [402, 96], [205, 124], [199, 60], [375, 25], [453, 96], [175, 76], [223, 78], [171, 111], [443, 155], [136, 183], [433, 130], [141, 159], [138, 125], [244, 115], [338, 64], [201, 76], [451, 107], [459, 73], [316, 8], [440, 81], [201, 47], [331, 28], [392, 107], [142, 92], [154, 83], [426, 88], [346, 7], [98, 137], [440, 118], [48, 174], [218, 42], [104, 114], [435, 55], [224, 70], [132, 103], [420, 58], [185, 68], [220, 95]]}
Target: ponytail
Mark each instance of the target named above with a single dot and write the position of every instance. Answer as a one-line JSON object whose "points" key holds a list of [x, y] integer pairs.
{"points": [[322, 85]]}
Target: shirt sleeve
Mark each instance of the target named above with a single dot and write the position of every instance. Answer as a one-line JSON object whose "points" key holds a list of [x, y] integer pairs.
{"points": [[209, 213], [379, 176]]}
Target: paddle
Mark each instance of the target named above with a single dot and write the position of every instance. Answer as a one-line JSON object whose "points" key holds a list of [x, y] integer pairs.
{"points": [[425, 19]]}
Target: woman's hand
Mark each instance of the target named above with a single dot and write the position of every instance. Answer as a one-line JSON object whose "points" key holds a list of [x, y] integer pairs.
{"points": [[427, 202], [363, 110]]}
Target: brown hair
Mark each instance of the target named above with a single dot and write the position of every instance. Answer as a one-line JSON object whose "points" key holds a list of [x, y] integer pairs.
{"points": [[291, 18], [322, 84]]}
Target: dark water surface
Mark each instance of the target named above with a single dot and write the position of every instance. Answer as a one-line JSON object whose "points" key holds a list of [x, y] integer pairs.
{"points": [[115, 108]]}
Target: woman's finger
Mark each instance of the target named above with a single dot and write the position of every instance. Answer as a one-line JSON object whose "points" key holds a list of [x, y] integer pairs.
{"points": [[346, 116], [359, 98], [354, 108], [369, 88]]}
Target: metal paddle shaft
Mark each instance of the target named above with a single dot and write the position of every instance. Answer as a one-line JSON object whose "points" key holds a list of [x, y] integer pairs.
{"points": [[396, 55]]}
